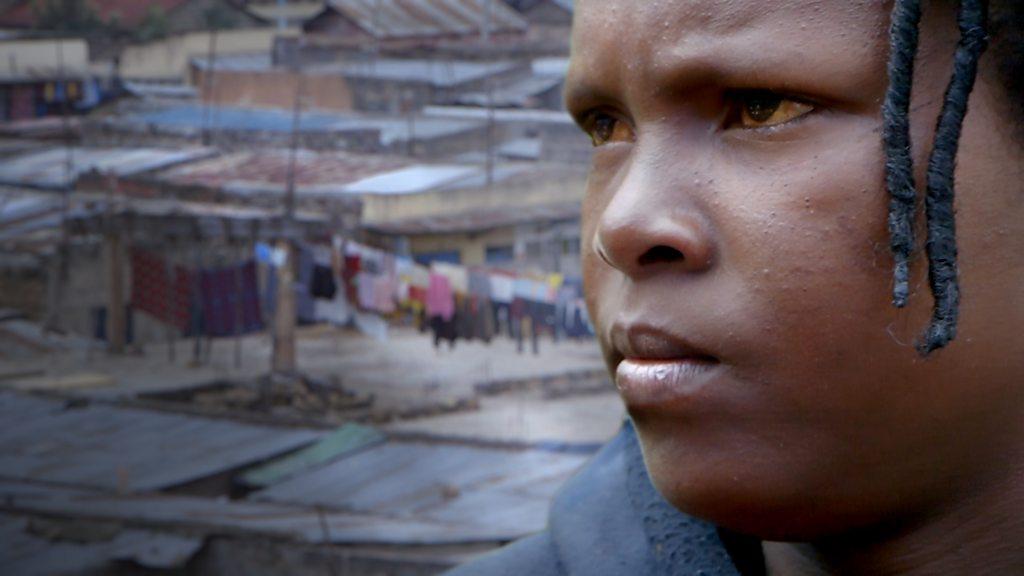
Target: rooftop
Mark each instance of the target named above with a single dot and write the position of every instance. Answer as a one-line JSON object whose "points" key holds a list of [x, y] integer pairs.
{"points": [[51, 168], [392, 129], [438, 73], [393, 19], [422, 178], [266, 171], [128, 12]]}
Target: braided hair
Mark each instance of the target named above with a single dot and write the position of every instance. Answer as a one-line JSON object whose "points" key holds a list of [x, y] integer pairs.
{"points": [[941, 245]]}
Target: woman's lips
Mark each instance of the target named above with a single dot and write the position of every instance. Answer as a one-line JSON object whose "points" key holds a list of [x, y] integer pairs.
{"points": [[646, 383], [656, 368]]}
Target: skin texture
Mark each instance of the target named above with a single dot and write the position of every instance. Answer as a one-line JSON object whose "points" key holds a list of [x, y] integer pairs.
{"points": [[768, 250]]}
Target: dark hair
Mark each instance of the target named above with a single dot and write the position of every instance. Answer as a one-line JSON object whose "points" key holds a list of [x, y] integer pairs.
{"points": [[941, 245]]}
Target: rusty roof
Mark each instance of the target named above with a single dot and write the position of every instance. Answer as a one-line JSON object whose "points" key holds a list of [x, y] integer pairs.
{"points": [[266, 171], [393, 19]]}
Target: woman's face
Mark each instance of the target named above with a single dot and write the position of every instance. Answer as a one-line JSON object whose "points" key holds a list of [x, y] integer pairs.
{"points": [[738, 273]]}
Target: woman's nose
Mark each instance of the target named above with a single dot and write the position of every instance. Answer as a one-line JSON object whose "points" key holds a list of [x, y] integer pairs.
{"points": [[646, 230]]}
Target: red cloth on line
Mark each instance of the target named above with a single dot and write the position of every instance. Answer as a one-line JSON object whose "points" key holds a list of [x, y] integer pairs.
{"points": [[161, 290]]}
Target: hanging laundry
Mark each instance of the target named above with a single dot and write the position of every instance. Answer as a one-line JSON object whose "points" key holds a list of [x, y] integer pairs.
{"points": [[384, 294], [502, 288], [458, 277], [161, 290], [440, 300], [353, 266], [230, 301], [480, 284], [336, 311], [366, 297], [323, 286]]}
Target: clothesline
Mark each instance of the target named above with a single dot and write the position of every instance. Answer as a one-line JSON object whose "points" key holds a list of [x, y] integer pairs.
{"points": [[347, 283]]}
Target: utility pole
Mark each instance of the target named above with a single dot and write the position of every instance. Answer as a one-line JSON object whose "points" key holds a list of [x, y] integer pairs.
{"points": [[283, 361], [485, 28], [209, 83], [116, 321], [490, 132], [59, 264], [281, 20]]}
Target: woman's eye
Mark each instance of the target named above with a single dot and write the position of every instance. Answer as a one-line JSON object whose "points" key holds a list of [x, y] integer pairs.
{"points": [[605, 128], [764, 109]]}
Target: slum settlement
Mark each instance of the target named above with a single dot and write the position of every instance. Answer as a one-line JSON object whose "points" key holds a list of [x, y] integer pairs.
{"points": [[288, 286]]}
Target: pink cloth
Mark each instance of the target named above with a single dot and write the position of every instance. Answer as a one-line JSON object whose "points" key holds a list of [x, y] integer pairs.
{"points": [[440, 300], [384, 294]]}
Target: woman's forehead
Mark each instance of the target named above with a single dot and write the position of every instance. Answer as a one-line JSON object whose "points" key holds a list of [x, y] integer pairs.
{"points": [[621, 43], [628, 25]]}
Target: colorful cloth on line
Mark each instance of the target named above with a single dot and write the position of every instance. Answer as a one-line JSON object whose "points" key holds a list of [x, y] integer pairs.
{"points": [[160, 289], [230, 301], [440, 299]]}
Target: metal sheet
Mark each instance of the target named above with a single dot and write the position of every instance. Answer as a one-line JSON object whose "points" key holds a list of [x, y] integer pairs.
{"points": [[223, 517], [426, 18], [508, 489], [128, 450], [26, 554], [49, 168]]}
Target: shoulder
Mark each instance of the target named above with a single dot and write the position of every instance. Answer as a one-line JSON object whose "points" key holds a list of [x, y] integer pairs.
{"points": [[609, 520]]}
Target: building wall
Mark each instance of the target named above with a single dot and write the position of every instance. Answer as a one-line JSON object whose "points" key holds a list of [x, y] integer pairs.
{"points": [[23, 59], [168, 60], [273, 89], [471, 247], [381, 209], [545, 246], [24, 290]]}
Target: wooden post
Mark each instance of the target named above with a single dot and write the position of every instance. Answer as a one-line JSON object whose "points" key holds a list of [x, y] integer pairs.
{"points": [[116, 322], [283, 361]]}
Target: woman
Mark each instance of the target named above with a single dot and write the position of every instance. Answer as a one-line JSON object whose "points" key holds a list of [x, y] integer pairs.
{"points": [[769, 179]]}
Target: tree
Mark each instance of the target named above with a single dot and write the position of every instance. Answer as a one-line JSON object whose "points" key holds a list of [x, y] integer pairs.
{"points": [[154, 26], [70, 16]]}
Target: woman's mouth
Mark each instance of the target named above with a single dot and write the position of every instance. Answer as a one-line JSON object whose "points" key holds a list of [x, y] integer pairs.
{"points": [[647, 383], [658, 369]]}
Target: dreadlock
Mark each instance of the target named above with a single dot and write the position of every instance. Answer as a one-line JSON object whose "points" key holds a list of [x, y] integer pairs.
{"points": [[941, 244]]}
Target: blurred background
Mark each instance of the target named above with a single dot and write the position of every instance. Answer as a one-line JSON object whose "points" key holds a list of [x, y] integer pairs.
{"points": [[288, 287]]}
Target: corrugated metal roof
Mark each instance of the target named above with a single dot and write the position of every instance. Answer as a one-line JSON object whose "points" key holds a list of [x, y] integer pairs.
{"points": [[27, 553], [424, 178], [412, 180], [47, 169], [221, 516], [500, 115], [266, 171], [391, 129], [127, 450], [557, 67], [505, 489], [519, 94], [438, 73], [426, 18]]}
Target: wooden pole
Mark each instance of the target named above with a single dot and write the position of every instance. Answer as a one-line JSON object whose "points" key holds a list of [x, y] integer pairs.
{"points": [[283, 360], [116, 321]]}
